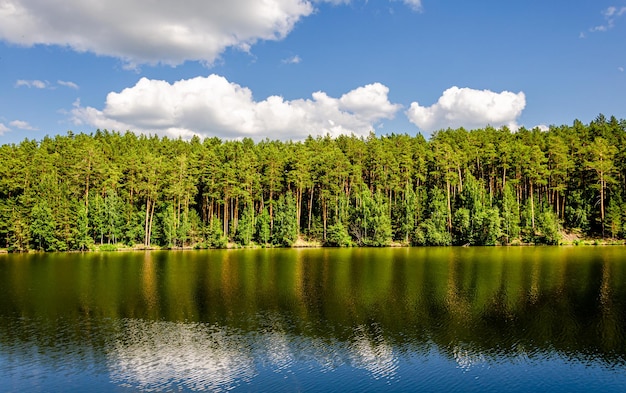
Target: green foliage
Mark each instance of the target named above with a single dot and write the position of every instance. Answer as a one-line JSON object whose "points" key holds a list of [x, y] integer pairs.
{"points": [[577, 211], [337, 236], [245, 228], [214, 237], [42, 227], [614, 217], [434, 231], [510, 223], [83, 240], [462, 225], [479, 187], [490, 230], [168, 223], [371, 221], [429, 233], [408, 214], [263, 231], [548, 228], [285, 231], [107, 247]]}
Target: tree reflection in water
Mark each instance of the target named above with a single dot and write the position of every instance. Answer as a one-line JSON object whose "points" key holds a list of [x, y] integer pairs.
{"points": [[222, 320]]}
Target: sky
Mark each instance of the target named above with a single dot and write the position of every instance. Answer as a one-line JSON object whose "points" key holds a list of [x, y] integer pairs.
{"points": [[286, 69]]}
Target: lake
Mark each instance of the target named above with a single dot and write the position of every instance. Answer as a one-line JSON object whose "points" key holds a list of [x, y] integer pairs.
{"points": [[515, 319]]}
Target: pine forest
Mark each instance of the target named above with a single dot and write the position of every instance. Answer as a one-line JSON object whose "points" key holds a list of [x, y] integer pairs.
{"points": [[481, 187]]}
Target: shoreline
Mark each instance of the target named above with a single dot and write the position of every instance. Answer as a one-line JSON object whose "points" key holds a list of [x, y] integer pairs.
{"points": [[304, 244]]}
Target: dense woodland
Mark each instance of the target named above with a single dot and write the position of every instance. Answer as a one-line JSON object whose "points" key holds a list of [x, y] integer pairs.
{"points": [[481, 187]]}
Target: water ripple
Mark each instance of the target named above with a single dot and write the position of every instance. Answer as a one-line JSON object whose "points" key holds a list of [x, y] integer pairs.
{"points": [[154, 356]]}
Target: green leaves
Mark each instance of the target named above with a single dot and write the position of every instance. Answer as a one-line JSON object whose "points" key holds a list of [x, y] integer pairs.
{"points": [[479, 187]]}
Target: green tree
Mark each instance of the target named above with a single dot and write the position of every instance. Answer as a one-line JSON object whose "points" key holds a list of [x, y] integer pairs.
{"points": [[614, 217], [285, 231], [548, 226], [601, 155], [42, 227], [408, 214], [434, 230], [510, 215], [263, 232], [337, 236], [83, 240], [245, 229], [371, 222]]}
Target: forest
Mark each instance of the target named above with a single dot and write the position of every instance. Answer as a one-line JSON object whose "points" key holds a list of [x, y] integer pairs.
{"points": [[479, 187]]}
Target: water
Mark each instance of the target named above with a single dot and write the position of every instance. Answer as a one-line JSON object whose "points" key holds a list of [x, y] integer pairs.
{"points": [[322, 320]]}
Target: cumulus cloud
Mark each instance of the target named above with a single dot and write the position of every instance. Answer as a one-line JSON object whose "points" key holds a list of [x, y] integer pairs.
{"points": [[22, 125], [3, 128], [150, 31], [154, 31], [37, 84], [69, 84], [469, 108], [213, 106]]}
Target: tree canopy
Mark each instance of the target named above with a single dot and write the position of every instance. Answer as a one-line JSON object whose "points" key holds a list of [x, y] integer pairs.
{"points": [[480, 187]]}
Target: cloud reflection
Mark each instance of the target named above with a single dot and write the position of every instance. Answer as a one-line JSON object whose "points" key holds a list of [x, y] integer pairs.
{"points": [[371, 352], [160, 355], [166, 356]]}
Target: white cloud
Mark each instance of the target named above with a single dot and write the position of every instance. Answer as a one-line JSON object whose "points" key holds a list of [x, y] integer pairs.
{"points": [[3, 129], [469, 108], [610, 15], [213, 106], [620, 69], [292, 60], [31, 83], [22, 125], [150, 31], [154, 31], [614, 11], [69, 84], [415, 5]]}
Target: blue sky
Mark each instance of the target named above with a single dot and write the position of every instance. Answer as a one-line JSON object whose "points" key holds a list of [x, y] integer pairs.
{"points": [[283, 69]]}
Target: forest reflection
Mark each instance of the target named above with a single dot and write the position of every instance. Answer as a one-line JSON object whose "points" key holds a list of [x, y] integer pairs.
{"points": [[223, 315]]}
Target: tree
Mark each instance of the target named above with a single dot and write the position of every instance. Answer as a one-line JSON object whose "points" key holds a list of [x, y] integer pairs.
{"points": [[285, 231], [245, 229], [434, 230], [337, 236], [83, 240], [263, 232], [600, 160], [370, 223], [548, 226], [614, 216], [510, 214], [408, 214], [42, 227]]}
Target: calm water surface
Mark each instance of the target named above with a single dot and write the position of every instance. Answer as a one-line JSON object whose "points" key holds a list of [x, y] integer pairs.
{"points": [[409, 319]]}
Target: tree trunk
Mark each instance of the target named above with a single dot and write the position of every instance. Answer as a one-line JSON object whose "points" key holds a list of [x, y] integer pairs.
{"points": [[310, 207], [299, 207], [145, 232], [449, 206], [532, 206], [324, 215], [602, 202], [271, 210]]}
